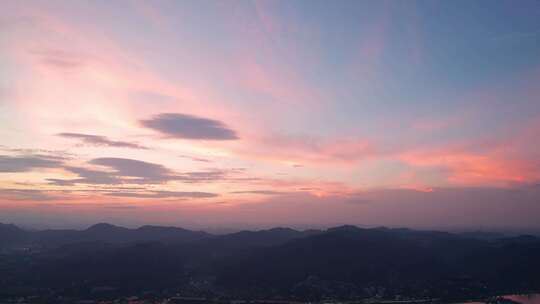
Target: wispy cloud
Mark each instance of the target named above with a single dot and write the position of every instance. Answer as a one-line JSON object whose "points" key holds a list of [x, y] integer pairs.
{"points": [[151, 97], [28, 163], [115, 171], [135, 168], [196, 159], [297, 150], [59, 59], [87, 176], [100, 141], [164, 194], [27, 194], [185, 126], [261, 192]]}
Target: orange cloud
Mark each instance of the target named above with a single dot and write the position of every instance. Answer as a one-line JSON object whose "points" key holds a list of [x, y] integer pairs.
{"points": [[474, 169]]}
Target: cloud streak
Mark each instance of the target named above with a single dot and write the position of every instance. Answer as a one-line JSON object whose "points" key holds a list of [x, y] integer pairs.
{"points": [[164, 194], [196, 159], [101, 141], [116, 171], [261, 192], [27, 195]]}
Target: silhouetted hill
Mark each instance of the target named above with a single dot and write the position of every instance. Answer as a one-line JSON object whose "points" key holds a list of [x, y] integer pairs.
{"points": [[343, 254], [341, 262], [205, 252], [115, 234], [169, 234], [261, 238], [444, 264]]}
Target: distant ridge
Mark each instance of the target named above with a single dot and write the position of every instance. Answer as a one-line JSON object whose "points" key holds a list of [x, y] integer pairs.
{"points": [[106, 232], [105, 227], [11, 235]]}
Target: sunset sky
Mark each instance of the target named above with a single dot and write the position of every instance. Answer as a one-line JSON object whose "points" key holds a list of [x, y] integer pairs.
{"points": [[262, 113]]}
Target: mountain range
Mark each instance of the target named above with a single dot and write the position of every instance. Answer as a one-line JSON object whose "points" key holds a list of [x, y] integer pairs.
{"points": [[342, 262]]}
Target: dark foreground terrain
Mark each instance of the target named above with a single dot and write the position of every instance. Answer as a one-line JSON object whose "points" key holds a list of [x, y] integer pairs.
{"points": [[105, 262]]}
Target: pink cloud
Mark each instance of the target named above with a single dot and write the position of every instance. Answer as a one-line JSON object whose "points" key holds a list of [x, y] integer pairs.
{"points": [[502, 162], [298, 150]]}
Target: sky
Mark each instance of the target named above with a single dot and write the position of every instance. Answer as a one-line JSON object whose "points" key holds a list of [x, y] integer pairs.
{"points": [[270, 113]]}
